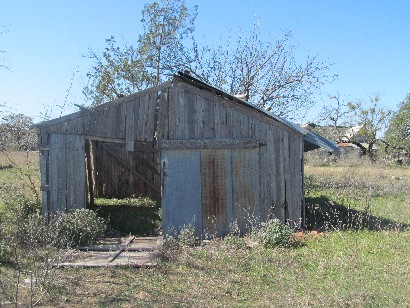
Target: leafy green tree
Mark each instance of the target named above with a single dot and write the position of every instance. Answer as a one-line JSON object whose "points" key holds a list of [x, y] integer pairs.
{"points": [[167, 28], [398, 132], [160, 52]]}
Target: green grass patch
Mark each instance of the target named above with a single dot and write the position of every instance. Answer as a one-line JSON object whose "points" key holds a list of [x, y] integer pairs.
{"points": [[137, 216]]}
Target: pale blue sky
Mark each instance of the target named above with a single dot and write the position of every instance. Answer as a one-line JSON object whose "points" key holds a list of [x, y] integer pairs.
{"points": [[369, 42]]}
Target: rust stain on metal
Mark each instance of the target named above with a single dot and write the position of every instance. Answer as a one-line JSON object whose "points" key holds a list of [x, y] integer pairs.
{"points": [[214, 199]]}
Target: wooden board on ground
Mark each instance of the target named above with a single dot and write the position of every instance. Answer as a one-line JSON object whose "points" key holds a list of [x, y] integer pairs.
{"points": [[131, 251]]}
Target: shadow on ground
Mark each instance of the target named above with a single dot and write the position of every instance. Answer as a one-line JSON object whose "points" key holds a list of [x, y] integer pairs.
{"points": [[325, 214]]}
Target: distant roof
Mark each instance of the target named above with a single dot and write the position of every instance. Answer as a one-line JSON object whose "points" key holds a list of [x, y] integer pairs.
{"points": [[338, 133], [312, 140]]}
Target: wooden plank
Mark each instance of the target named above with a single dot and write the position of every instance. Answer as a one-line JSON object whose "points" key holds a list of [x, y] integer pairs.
{"points": [[287, 175], [98, 138], [133, 97], [209, 143], [129, 241], [75, 174], [223, 121], [45, 194], [177, 114], [90, 173], [191, 107], [163, 115], [57, 175], [144, 161], [145, 117], [181, 194], [150, 124], [120, 122], [130, 126], [67, 173], [237, 106], [125, 164], [267, 173], [208, 120], [279, 179]]}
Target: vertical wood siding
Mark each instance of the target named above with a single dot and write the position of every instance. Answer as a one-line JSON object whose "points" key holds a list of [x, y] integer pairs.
{"points": [[66, 173]]}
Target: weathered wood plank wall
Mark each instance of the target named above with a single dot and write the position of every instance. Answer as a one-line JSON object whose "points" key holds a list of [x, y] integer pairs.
{"points": [[199, 115]]}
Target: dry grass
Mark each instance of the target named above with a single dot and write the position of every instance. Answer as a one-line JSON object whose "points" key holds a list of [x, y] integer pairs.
{"points": [[20, 171]]}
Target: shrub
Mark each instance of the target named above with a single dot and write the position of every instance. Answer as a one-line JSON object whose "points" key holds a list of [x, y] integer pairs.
{"points": [[77, 228], [274, 233], [4, 252], [186, 236]]}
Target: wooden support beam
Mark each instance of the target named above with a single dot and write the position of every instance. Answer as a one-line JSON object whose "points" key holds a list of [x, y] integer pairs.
{"points": [[145, 162], [89, 171], [209, 144]]}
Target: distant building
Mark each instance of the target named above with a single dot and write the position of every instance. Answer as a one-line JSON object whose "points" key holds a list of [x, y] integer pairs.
{"points": [[344, 136]]}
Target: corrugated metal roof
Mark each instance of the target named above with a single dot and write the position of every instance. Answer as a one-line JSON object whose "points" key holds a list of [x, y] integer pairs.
{"points": [[312, 140]]}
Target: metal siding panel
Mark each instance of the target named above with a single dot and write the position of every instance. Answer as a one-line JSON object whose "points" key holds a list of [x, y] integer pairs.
{"points": [[181, 195], [216, 191], [245, 188]]}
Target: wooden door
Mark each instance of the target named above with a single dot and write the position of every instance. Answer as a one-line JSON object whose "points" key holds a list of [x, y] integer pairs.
{"points": [[66, 173]]}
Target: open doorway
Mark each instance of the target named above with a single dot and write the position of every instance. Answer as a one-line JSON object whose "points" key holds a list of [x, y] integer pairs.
{"points": [[124, 186]]}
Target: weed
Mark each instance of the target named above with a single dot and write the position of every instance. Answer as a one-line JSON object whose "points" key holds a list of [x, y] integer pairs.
{"points": [[77, 228], [274, 233]]}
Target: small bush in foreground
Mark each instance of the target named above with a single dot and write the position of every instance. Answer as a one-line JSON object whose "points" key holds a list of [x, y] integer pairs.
{"points": [[4, 252], [274, 233], [77, 228]]}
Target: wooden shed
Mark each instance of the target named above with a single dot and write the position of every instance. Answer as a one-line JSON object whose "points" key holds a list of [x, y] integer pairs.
{"points": [[210, 159]]}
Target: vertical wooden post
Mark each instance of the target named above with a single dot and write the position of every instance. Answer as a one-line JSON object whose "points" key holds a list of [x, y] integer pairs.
{"points": [[89, 171]]}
